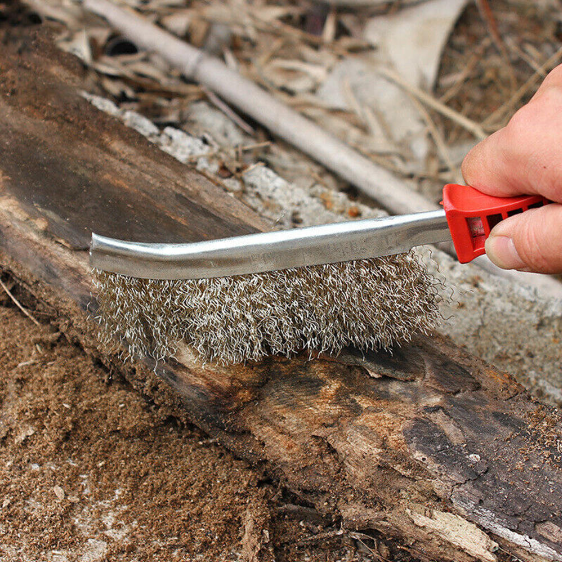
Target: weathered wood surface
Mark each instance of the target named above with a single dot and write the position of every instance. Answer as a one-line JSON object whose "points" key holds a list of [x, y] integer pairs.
{"points": [[429, 445]]}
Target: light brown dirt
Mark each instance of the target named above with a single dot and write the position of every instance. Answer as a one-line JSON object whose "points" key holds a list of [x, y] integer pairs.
{"points": [[88, 469]]}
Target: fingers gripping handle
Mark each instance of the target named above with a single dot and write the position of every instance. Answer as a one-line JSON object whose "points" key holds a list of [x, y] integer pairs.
{"points": [[471, 215]]}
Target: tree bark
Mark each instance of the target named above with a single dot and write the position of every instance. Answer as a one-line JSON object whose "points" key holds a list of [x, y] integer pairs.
{"points": [[429, 445]]}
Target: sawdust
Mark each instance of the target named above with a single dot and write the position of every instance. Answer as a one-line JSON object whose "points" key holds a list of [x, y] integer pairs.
{"points": [[88, 466], [543, 435]]}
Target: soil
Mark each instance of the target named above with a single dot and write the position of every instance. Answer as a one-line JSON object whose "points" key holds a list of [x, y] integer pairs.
{"points": [[86, 464]]}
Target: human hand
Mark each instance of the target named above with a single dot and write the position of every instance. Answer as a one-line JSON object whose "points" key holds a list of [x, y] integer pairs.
{"points": [[525, 158]]}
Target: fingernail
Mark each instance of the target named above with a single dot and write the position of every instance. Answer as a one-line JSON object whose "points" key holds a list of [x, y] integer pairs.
{"points": [[501, 250]]}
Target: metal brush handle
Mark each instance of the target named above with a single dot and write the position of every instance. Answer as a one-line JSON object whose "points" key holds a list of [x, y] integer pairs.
{"points": [[270, 251]]}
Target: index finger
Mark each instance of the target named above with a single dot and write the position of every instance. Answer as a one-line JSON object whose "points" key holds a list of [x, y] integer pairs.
{"points": [[489, 167]]}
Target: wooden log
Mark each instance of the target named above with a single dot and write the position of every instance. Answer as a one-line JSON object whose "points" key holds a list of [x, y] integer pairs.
{"points": [[429, 445]]}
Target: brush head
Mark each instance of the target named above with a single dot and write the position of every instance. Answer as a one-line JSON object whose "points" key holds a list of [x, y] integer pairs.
{"points": [[369, 304]]}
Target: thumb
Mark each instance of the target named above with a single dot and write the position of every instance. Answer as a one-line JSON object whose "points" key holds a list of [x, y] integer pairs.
{"points": [[531, 241]]}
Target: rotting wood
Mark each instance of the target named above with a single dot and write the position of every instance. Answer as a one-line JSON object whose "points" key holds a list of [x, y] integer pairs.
{"points": [[436, 448]]}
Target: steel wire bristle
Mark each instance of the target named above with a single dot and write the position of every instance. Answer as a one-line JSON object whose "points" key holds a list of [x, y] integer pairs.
{"points": [[368, 304]]}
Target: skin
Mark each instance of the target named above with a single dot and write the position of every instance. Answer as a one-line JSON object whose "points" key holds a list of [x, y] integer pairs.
{"points": [[523, 158]]}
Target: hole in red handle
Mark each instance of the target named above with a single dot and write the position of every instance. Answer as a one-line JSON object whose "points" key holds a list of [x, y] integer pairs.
{"points": [[476, 227], [477, 231], [493, 220], [471, 216]]}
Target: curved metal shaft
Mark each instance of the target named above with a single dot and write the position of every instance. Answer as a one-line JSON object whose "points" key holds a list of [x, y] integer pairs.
{"points": [[270, 251]]}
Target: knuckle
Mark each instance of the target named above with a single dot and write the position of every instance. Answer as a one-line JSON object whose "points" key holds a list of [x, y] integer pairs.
{"points": [[521, 124], [550, 98], [542, 110], [476, 164], [554, 77]]}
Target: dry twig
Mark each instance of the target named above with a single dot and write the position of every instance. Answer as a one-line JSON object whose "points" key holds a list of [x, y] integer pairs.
{"points": [[488, 16], [439, 141], [234, 117], [18, 304], [467, 70]]}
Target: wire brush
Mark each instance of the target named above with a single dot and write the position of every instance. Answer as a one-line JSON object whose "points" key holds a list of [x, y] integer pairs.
{"points": [[318, 288]]}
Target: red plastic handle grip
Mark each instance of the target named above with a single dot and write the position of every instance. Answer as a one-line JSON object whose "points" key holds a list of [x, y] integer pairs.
{"points": [[471, 215]]}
